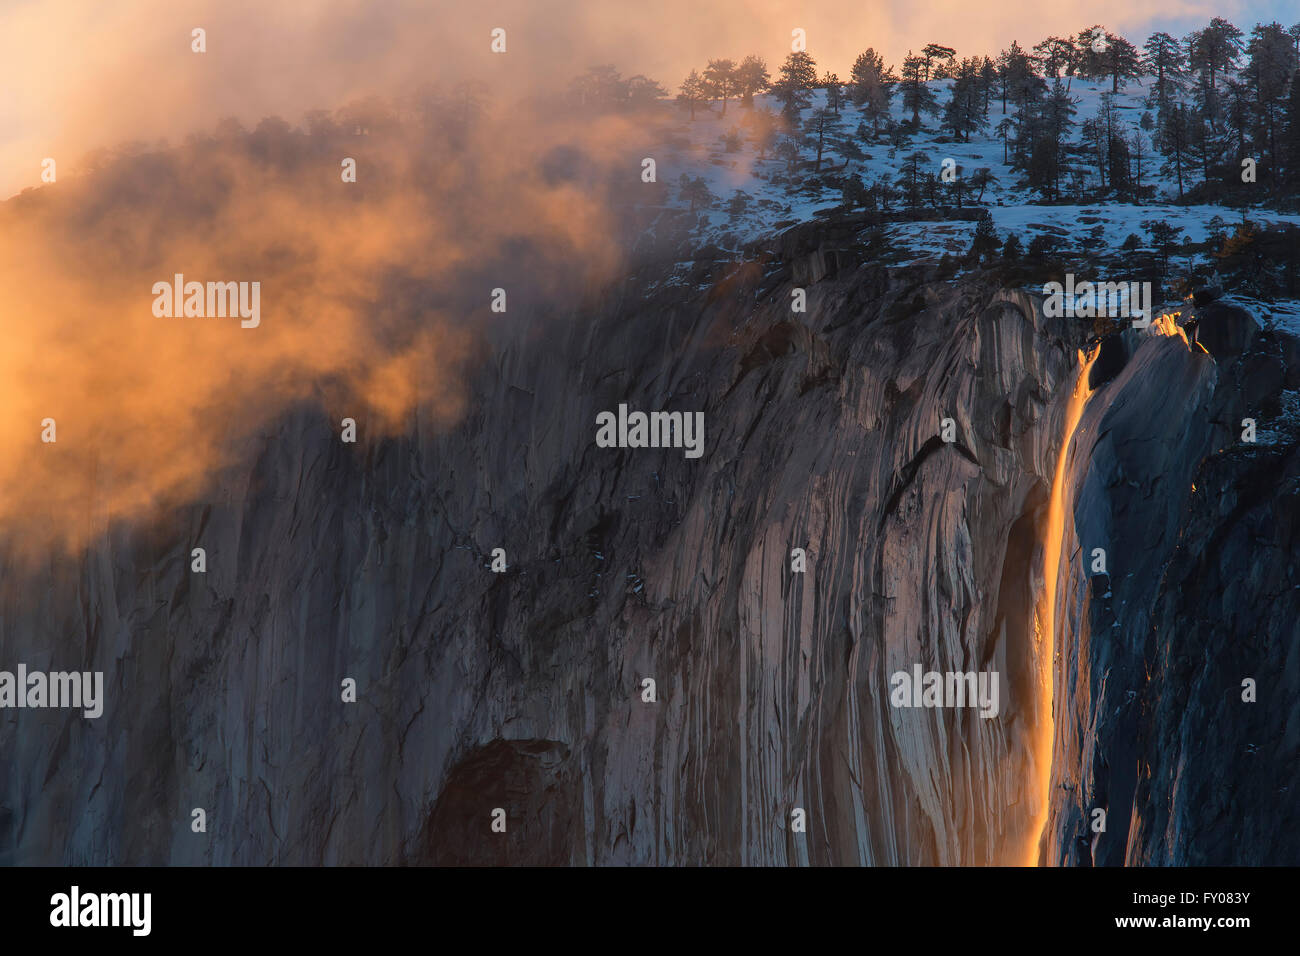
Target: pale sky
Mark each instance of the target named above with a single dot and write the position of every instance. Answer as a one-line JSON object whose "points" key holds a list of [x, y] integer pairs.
{"points": [[80, 74]]}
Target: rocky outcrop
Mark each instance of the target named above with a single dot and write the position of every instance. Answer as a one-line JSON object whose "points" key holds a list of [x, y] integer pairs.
{"points": [[525, 690], [1156, 726]]}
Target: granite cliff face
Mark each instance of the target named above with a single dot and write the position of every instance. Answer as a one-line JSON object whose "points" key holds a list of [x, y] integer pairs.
{"points": [[523, 690], [1200, 593]]}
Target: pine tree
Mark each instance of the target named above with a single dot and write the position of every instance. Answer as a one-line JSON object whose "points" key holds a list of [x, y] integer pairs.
{"points": [[1140, 148], [643, 91], [1164, 238], [963, 114], [985, 244], [917, 96], [601, 87], [1094, 135], [1239, 113], [1056, 55], [1122, 61], [823, 121], [1028, 92], [1005, 130], [936, 53], [1118, 158], [958, 184], [1216, 49], [1016, 75], [988, 83], [854, 194], [1175, 137], [696, 191], [800, 69], [693, 92], [1291, 148], [1272, 63], [1164, 60], [798, 76], [1027, 88], [834, 91], [1213, 52], [1090, 48], [720, 80], [911, 180], [1058, 120], [871, 86], [751, 78], [763, 126], [1205, 145], [981, 180], [788, 151]]}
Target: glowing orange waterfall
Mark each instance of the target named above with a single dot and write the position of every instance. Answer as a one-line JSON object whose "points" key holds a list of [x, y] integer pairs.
{"points": [[1044, 733]]}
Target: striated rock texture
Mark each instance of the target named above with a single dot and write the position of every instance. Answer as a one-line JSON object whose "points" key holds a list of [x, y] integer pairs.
{"points": [[1201, 592], [523, 690]]}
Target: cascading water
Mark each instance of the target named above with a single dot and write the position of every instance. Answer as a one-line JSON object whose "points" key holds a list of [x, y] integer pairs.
{"points": [[1045, 624]]}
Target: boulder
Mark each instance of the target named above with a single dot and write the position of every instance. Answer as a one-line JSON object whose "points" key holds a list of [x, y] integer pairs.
{"points": [[1225, 329]]}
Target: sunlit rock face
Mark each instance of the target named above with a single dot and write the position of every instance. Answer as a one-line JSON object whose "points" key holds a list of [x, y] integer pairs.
{"points": [[524, 690], [1200, 594]]}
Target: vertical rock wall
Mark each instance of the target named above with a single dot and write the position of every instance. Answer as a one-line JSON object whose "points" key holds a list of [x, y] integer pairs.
{"points": [[523, 690]]}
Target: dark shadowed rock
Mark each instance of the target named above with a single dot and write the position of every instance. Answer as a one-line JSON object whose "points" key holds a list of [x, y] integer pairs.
{"points": [[1289, 346], [1206, 295], [535, 785], [1110, 360], [1225, 329]]}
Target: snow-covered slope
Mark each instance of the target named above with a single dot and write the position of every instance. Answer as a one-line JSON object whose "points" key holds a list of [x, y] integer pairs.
{"points": [[699, 149]]}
